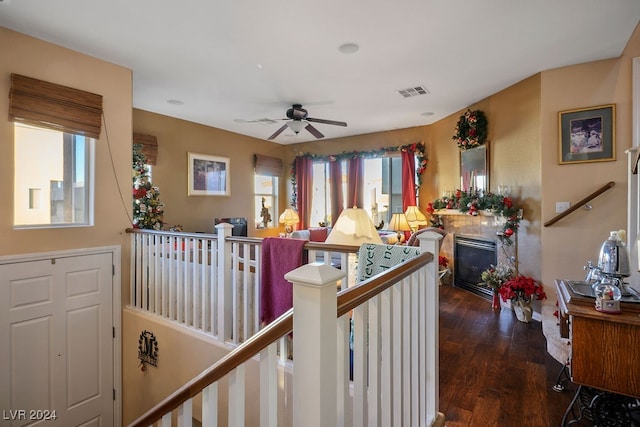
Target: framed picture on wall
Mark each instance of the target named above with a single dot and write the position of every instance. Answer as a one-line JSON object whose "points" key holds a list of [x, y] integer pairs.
{"points": [[587, 134], [208, 175]]}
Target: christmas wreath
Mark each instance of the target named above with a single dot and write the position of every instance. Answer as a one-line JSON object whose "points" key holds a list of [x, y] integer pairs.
{"points": [[471, 130]]}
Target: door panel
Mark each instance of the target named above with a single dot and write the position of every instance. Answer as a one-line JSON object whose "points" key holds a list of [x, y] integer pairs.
{"points": [[57, 316], [83, 355], [30, 363]]}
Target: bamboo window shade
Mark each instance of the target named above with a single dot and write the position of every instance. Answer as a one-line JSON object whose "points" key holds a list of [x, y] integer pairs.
{"points": [[52, 106], [269, 166], [148, 147]]}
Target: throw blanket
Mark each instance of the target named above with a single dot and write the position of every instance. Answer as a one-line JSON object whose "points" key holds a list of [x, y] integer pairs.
{"points": [[374, 259], [279, 256]]}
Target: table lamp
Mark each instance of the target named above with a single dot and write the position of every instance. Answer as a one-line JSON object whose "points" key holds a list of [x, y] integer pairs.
{"points": [[415, 218], [353, 227], [399, 224], [289, 218]]}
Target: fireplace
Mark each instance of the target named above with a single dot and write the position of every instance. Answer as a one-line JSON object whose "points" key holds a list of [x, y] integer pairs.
{"points": [[471, 257]]}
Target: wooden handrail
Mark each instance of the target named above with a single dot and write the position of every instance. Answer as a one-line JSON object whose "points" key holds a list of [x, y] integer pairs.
{"points": [[316, 246], [347, 300], [276, 329], [581, 203]]}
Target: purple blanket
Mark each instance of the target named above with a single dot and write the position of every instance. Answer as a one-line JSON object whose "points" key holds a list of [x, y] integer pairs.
{"points": [[279, 256]]}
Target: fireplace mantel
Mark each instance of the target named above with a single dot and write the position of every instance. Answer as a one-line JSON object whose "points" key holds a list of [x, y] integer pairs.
{"points": [[457, 212]]}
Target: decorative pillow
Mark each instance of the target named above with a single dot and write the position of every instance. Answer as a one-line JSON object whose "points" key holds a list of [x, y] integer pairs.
{"points": [[318, 234]]}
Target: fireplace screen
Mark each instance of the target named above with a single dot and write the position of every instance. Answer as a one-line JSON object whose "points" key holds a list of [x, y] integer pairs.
{"points": [[471, 257]]}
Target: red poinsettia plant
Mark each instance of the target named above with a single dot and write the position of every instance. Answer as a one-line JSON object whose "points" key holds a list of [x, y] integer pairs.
{"points": [[522, 288], [443, 261]]}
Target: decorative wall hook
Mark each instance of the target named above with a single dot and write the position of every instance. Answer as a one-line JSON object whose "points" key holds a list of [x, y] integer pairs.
{"points": [[147, 350]]}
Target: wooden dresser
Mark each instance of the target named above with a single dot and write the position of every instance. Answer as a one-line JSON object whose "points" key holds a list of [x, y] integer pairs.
{"points": [[605, 348]]}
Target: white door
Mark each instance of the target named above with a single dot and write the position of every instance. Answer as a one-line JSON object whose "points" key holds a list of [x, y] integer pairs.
{"points": [[56, 342]]}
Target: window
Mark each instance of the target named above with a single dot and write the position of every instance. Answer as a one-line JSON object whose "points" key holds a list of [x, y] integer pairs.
{"points": [[267, 170], [266, 201], [53, 183], [382, 188], [321, 196]]}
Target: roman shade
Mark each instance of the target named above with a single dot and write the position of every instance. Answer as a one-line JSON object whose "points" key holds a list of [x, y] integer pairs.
{"points": [[148, 147], [52, 106], [269, 166]]}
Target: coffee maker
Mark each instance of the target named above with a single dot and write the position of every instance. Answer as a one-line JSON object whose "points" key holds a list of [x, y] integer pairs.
{"points": [[613, 260]]}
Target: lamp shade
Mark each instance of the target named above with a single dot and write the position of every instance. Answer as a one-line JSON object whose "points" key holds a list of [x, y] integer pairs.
{"points": [[415, 218], [289, 217], [399, 222], [354, 227]]}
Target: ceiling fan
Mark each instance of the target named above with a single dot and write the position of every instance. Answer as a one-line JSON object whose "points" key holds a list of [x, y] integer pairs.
{"points": [[298, 116]]}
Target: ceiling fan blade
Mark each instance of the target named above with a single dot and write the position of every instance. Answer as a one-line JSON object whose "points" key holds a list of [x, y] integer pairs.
{"points": [[326, 122], [313, 131], [278, 132]]}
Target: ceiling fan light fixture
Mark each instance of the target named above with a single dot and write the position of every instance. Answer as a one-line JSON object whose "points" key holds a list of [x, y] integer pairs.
{"points": [[296, 125]]}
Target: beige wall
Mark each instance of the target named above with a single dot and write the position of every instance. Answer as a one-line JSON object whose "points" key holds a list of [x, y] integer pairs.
{"points": [[568, 244], [182, 355], [178, 137], [34, 58]]}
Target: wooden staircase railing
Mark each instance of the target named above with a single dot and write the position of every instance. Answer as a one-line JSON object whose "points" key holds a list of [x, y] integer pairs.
{"points": [[425, 283], [581, 203], [250, 348]]}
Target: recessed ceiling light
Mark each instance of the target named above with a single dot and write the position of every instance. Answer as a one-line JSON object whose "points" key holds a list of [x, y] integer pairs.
{"points": [[175, 102], [427, 113], [348, 48]]}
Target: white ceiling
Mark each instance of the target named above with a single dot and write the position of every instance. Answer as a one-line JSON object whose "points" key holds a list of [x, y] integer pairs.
{"points": [[234, 62]]}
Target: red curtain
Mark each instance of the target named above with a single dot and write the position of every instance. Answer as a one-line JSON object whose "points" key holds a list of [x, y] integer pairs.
{"points": [[355, 184], [408, 179], [337, 198], [304, 189]]}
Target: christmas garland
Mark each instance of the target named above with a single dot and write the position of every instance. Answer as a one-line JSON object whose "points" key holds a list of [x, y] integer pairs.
{"points": [[472, 202], [471, 130], [416, 148]]}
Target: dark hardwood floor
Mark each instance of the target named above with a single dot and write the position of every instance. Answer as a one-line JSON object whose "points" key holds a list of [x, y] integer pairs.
{"points": [[494, 370]]}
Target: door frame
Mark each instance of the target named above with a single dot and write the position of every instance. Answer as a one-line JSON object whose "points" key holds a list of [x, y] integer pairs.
{"points": [[116, 309]]}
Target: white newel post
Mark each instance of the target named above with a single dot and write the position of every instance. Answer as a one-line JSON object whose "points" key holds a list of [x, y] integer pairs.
{"points": [[225, 306], [314, 344], [430, 242]]}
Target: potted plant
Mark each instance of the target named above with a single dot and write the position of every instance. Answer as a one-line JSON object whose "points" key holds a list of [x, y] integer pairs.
{"points": [[493, 278], [522, 290], [444, 272]]}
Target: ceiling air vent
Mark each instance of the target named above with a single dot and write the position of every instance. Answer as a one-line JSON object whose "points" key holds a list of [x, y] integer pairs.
{"points": [[413, 91]]}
